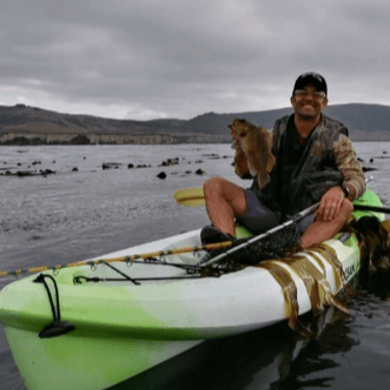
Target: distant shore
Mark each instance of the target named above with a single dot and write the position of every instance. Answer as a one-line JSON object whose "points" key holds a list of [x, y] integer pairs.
{"points": [[21, 139], [28, 139]]}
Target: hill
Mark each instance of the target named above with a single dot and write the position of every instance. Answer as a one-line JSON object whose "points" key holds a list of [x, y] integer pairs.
{"points": [[365, 122], [22, 124]]}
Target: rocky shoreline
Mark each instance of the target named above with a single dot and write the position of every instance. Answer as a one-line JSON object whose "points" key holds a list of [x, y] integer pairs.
{"points": [[25, 170]]}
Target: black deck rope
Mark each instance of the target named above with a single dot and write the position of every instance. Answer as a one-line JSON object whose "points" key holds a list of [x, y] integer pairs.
{"points": [[192, 270], [79, 279], [127, 277]]}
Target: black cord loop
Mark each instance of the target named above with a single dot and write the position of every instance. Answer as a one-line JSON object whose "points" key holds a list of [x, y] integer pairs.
{"points": [[57, 327]]}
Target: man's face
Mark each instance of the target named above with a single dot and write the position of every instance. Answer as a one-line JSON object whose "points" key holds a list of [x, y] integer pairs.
{"points": [[308, 102]]}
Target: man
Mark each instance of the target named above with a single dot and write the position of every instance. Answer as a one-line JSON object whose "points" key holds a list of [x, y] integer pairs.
{"points": [[315, 162]]}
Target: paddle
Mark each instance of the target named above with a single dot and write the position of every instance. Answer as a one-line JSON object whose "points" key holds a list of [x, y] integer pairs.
{"points": [[193, 197], [189, 197]]}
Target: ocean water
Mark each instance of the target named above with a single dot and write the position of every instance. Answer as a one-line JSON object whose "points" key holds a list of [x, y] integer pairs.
{"points": [[83, 210]]}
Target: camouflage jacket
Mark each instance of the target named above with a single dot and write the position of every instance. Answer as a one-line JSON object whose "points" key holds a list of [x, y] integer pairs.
{"points": [[328, 159]]}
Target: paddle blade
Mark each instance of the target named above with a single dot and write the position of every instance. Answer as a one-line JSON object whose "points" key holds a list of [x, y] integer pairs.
{"points": [[189, 197]]}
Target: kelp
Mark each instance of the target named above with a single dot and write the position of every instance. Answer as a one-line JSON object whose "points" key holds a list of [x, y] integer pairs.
{"points": [[314, 279]]}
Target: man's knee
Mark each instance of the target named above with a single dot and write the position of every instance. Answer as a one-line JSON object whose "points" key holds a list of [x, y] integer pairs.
{"points": [[345, 212], [219, 189], [213, 186], [346, 208]]}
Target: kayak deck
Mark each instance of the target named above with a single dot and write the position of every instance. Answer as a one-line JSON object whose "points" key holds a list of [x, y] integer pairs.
{"points": [[149, 307]]}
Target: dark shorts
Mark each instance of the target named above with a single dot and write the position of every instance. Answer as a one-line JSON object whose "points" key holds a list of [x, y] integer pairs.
{"points": [[259, 218]]}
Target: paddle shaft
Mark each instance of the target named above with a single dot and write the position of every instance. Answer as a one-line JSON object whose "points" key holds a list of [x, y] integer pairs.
{"points": [[364, 207], [195, 197]]}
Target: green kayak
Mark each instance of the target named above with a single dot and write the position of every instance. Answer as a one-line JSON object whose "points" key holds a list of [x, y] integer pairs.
{"points": [[95, 324]]}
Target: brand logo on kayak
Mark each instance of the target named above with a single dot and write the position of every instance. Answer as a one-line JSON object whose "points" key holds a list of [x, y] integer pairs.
{"points": [[350, 271]]}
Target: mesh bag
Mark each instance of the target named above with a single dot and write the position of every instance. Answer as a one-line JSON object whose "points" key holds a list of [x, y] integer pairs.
{"points": [[274, 246]]}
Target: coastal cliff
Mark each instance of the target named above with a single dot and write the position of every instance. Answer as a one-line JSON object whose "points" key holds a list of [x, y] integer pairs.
{"points": [[24, 125]]}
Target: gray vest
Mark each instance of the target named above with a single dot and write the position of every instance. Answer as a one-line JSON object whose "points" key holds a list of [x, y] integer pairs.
{"points": [[315, 172]]}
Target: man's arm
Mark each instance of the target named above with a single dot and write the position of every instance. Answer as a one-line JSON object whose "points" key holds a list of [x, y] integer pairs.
{"points": [[349, 166], [353, 179]]}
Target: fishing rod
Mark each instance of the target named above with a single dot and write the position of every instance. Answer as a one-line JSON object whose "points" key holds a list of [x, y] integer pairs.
{"points": [[147, 258]]}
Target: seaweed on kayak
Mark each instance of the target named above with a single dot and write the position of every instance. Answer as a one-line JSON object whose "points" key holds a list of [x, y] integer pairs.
{"points": [[374, 243]]}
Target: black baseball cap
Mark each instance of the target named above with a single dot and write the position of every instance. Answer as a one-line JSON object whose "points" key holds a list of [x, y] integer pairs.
{"points": [[311, 78]]}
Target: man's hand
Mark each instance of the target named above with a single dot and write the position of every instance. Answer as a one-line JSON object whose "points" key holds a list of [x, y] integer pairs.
{"points": [[331, 203]]}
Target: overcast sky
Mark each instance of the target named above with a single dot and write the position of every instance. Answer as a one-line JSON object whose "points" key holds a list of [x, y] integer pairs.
{"points": [[147, 59]]}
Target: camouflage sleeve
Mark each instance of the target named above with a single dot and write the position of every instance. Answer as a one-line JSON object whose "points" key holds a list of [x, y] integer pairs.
{"points": [[348, 164]]}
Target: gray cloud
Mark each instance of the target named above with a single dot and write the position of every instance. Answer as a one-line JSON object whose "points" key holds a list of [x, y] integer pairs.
{"points": [[176, 58]]}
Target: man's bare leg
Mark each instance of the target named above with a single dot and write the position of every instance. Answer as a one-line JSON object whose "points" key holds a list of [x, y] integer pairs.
{"points": [[224, 202], [319, 231]]}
